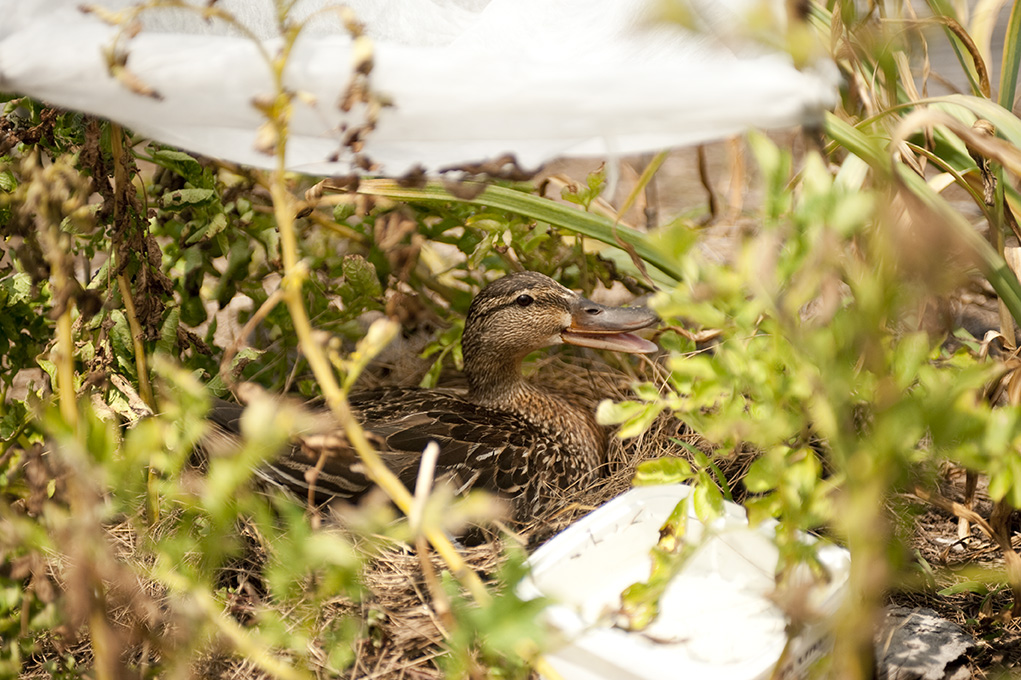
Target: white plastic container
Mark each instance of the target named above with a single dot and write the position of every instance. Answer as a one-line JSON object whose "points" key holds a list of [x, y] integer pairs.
{"points": [[716, 620]]}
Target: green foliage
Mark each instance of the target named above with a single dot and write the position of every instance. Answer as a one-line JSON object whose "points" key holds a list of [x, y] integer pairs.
{"points": [[92, 511], [808, 361], [504, 635], [639, 603], [821, 361], [584, 196], [22, 327]]}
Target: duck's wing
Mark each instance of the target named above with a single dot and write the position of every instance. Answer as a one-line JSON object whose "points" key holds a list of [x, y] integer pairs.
{"points": [[478, 447]]}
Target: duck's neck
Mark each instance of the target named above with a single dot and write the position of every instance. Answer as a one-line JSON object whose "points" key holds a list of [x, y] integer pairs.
{"points": [[493, 378], [497, 383]]}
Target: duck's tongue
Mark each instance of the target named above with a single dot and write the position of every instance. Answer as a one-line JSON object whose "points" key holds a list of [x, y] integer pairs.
{"points": [[601, 327], [618, 342]]}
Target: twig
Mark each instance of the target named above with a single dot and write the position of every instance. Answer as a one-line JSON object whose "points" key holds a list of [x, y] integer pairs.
{"points": [[643, 181], [264, 309], [955, 508], [65, 364], [1002, 538], [144, 386], [707, 184]]}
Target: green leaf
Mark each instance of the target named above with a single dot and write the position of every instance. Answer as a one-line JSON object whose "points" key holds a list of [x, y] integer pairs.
{"points": [[970, 587], [7, 181], [641, 421], [762, 508], [342, 211], [707, 499], [49, 367], [646, 391], [763, 475], [1000, 484], [187, 198], [639, 605], [613, 413], [1014, 493], [584, 196], [122, 344], [17, 287], [180, 163], [360, 279], [212, 229], [664, 470], [587, 224], [776, 170], [168, 332], [1011, 62]]}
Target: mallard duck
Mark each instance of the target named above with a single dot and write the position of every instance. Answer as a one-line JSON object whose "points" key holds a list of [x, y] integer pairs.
{"points": [[503, 433]]}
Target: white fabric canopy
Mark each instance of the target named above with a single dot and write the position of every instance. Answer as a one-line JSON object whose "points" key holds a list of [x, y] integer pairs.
{"points": [[469, 79]]}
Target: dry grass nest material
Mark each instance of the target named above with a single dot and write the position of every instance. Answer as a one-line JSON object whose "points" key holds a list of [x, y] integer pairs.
{"points": [[404, 637], [401, 634]]}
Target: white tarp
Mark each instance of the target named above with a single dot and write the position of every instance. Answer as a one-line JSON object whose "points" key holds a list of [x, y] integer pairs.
{"points": [[469, 79]]}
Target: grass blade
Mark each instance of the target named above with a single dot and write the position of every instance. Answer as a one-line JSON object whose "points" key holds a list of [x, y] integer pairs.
{"points": [[587, 224], [1011, 58]]}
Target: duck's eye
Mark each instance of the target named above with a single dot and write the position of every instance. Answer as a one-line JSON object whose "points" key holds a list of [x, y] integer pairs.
{"points": [[524, 300]]}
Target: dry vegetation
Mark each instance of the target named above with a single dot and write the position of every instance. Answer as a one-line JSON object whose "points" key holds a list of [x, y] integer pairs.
{"points": [[804, 372]]}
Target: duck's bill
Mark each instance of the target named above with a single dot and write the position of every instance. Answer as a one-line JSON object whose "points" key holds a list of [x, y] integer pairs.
{"points": [[617, 342], [601, 327]]}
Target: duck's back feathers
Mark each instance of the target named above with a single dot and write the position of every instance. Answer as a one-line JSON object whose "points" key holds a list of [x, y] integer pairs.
{"points": [[479, 447]]}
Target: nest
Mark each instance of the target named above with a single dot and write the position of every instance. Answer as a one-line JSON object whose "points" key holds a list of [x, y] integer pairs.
{"points": [[401, 634], [400, 631], [406, 635]]}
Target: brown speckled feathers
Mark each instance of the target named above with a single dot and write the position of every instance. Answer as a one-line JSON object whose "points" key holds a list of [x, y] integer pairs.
{"points": [[503, 434]]}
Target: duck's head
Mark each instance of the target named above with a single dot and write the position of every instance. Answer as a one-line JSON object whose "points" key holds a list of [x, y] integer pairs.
{"points": [[525, 311]]}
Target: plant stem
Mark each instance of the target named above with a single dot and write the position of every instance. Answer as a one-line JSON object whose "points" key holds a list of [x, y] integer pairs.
{"points": [[285, 209], [120, 181], [377, 470], [867, 532], [65, 365], [141, 365], [64, 355], [643, 181]]}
